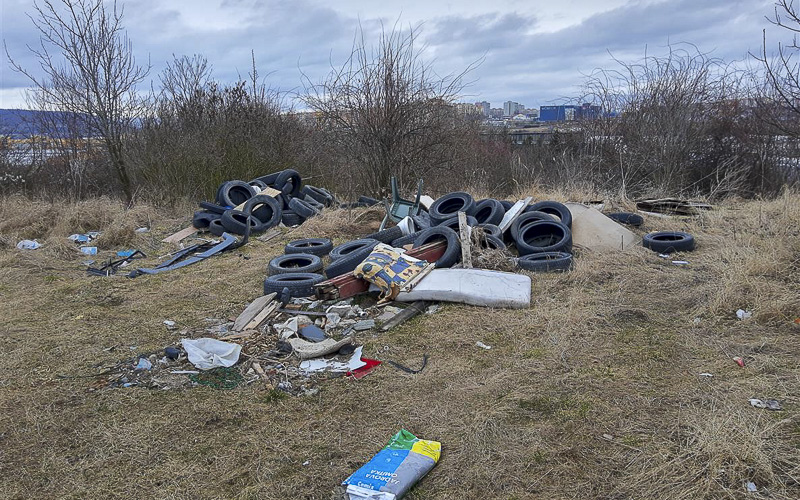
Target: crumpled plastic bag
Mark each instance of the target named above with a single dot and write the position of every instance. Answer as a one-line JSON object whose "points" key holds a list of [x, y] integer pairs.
{"points": [[206, 353], [28, 245]]}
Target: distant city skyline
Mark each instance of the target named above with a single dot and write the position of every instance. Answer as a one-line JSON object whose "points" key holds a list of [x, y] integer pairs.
{"points": [[536, 52]]}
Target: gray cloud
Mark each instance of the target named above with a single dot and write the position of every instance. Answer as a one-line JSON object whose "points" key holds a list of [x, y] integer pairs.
{"points": [[528, 58]]}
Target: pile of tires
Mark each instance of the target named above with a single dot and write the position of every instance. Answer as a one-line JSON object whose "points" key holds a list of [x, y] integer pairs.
{"points": [[294, 205], [295, 273]]}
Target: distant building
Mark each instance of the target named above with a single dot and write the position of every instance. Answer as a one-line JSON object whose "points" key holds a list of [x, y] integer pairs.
{"points": [[496, 113], [484, 107], [567, 113], [511, 108], [467, 109]]}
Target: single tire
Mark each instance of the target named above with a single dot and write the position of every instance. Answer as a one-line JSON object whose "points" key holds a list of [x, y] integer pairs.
{"points": [[369, 201], [212, 207], [353, 246], [387, 235], [236, 221], [318, 194], [268, 179], [491, 229], [313, 246], [489, 211], [234, 193], [452, 254], [492, 242], [669, 241], [302, 208], [348, 261], [421, 221], [405, 240], [453, 223], [264, 208], [544, 236], [545, 262], [627, 218], [289, 182], [290, 218], [314, 203], [299, 284], [507, 204], [449, 205], [294, 263], [554, 208], [528, 218], [216, 228], [201, 220]]}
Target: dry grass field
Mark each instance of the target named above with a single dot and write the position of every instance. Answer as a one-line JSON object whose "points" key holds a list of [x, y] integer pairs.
{"points": [[615, 347]]}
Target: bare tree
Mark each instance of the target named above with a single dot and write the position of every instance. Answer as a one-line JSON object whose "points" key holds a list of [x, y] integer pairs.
{"points": [[386, 111], [88, 69]]}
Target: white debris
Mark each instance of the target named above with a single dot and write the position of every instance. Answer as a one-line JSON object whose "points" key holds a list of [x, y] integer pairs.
{"points": [[742, 314], [482, 345]]}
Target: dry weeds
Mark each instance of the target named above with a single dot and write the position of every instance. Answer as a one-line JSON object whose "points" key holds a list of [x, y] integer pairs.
{"points": [[613, 347]]}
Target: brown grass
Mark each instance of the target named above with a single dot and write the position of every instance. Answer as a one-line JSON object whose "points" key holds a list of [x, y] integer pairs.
{"points": [[613, 347]]}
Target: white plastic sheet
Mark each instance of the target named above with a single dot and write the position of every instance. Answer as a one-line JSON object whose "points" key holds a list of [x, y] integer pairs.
{"points": [[331, 365], [206, 353]]}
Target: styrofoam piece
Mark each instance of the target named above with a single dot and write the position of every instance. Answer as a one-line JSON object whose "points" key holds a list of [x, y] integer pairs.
{"points": [[476, 287]]}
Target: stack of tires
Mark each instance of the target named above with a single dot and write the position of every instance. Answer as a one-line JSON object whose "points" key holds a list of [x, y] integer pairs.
{"points": [[294, 205], [300, 268], [542, 236]]}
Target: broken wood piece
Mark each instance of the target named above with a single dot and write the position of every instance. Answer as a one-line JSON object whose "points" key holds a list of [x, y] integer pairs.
{"points": [[513, 213], [262, 316], [409, 312], [266, 191], [184, 233], [269, 235], [251, 311], [419, 277], [464, 235]]}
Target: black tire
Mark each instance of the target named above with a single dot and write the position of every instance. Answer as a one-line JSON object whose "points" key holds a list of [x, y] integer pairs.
{"points": [[302, 208], [453, 224], [421, 221], [201, 220], [354, 246], [452, 254], [216, 228], [489, 211], [268, 179], [289, 182], [314, 203], [507, 204], [294, 263], [369, 201], [264, 208], [405, 240], [544, 236], [491, 229], [299, 284], [258, 185], [236, 221], [387, 235], [449, 205], [528, 218], [314, 246], [669, 241], [318, 194], [492, 242], [212, 207], [545, 262], [347, 262], [554, 208], [627, 218], [290, 218], [234, 193]]}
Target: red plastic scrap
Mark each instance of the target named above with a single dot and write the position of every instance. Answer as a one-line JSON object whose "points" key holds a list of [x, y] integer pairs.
{"points": [[364, 370], [739, 361]]}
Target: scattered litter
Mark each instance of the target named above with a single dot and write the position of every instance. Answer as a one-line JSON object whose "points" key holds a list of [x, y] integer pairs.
{"points": [[306, 462], [707, 375], [369, 365], [126, 253], [142, 230], [170, 324], [681, 262], [395, 469], [332, 365], [739, 361], [482, 345], [405, 368], [664, 256], [143, 364], [310, 350], [111, 266], [751, 486], [184, 372], [333, 320], [172, 352], [364, 325], [290, 327], [432, 309], [696, 321], [608, 437], [742, 314], [768, 404], [205, 353], [312, 333], [28, 245], [89, 250]]}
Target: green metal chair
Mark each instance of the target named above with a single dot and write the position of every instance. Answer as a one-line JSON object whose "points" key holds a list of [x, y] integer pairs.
{"points": [[399, 208]]}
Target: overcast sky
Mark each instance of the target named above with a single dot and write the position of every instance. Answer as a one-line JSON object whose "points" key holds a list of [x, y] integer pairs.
{"points": [[534, 52]]}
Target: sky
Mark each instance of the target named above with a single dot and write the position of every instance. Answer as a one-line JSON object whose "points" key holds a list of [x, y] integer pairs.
{"points": [[535, 52]]}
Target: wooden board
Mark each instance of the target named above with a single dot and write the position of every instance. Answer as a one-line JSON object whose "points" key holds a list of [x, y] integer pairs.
{"points": [[180, 235], [251, 311], [263, 315], [513, 213], [464, 235], [267, 191]]}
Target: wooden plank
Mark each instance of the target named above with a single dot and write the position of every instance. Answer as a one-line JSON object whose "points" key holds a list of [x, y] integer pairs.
{"points": [[261, 373], [263, 315], [184, 233], [251, 311], [267, 191], [269, 235], [513, 213], [464, 235], [404, 315]]}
